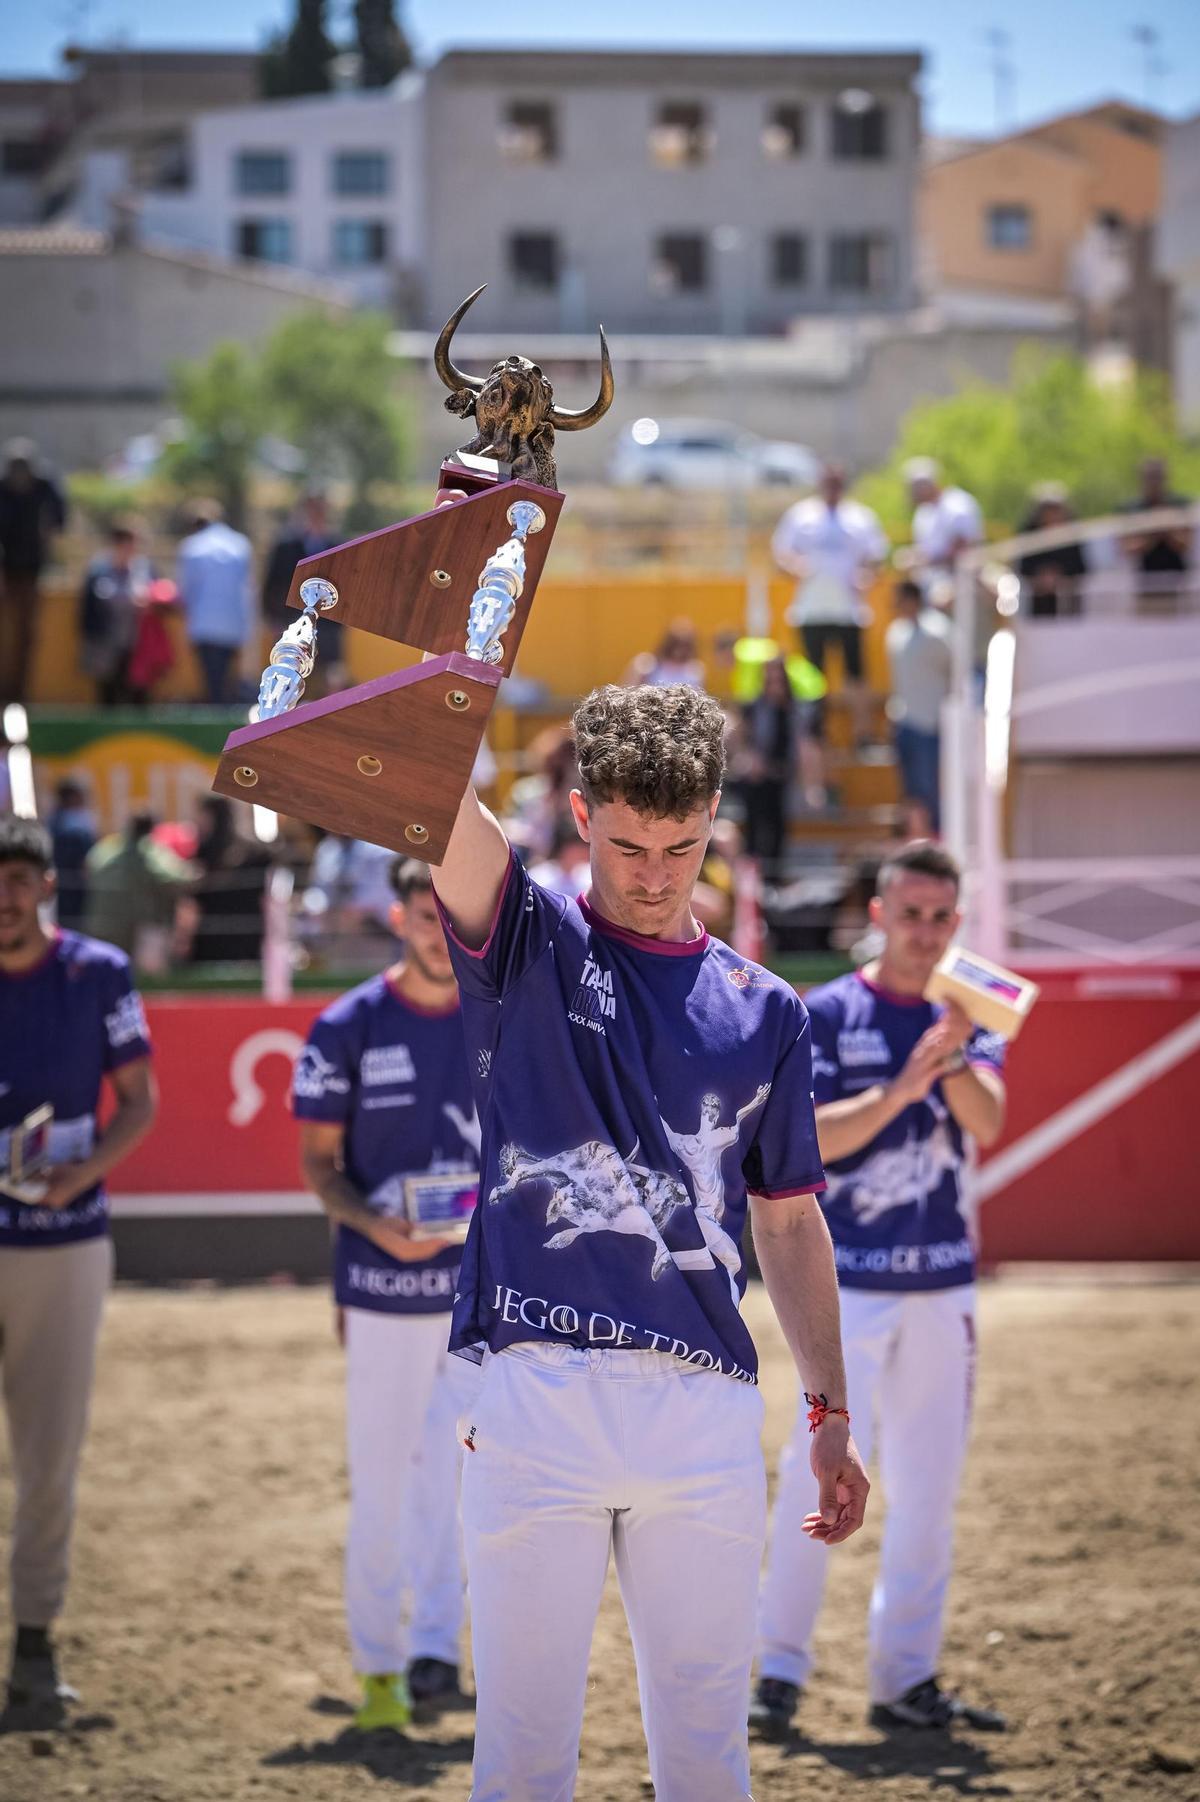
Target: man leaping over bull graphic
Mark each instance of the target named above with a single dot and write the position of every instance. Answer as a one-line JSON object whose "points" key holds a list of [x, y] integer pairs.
{"points": [[701, 1153]]}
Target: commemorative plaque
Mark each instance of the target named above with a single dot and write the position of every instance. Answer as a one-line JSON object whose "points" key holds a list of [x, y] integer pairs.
{"points": [[389, 760]]}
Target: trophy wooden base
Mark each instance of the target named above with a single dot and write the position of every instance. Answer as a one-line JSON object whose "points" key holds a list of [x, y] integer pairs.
{"points": [[387, 761], [413, 582]]}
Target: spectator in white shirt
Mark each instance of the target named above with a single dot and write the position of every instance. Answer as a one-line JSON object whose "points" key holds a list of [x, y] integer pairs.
{"points": [[919, 651], [946, 522], [832, 545]]}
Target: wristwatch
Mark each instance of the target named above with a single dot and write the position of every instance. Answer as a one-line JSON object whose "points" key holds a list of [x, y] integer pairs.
{"points": [[956, 1065]]}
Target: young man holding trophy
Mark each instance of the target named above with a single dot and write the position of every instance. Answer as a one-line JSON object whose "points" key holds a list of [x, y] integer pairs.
{"points": [[646, 1089], [390, 1145], [70, 1020]]}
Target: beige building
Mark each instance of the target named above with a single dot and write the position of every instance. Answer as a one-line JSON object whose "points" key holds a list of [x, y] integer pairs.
{"points": [[685, 192], [92, 326], [1060, 211]]}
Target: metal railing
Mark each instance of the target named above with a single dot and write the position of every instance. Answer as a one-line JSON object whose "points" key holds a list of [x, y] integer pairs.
{"points": [[1099, 910]]}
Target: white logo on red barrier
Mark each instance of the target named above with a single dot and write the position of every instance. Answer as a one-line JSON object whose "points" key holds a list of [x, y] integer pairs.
{"points": [[248, 1097]]}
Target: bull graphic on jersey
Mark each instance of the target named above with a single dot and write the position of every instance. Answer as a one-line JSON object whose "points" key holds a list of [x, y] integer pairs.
{"points": [[700, 1153], [596, 1190], [898, 1175]]}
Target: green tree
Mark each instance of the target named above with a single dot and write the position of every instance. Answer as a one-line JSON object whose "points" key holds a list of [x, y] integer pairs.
{"points": [[297, 61], [383, 47], [329, 388], [220, 403], [1053, 422]]}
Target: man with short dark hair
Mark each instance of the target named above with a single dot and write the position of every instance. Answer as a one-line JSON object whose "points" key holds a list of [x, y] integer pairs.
{"points": [[1162, 559], [69, 1019], [383, 1095], [305, 534], [638, 1084], [900, 1085], [32, 510]]}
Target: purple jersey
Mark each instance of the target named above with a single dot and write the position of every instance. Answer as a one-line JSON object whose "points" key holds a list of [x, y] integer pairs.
{"points": [[395, 1078], [63, 1025], [895, 1208], [632, 1091]]}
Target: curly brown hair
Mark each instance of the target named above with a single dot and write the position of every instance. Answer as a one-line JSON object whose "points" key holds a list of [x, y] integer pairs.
{"points": [[661, 750]]}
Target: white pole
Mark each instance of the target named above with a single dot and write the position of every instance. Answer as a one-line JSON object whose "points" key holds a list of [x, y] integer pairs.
{"points": [[277, 944]]}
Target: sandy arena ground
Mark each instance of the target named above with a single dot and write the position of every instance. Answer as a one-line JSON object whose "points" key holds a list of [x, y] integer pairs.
{"points": [[205, 1626]]}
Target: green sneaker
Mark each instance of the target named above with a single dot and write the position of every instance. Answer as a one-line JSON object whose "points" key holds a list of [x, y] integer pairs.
{"points": [[386, 1703]]}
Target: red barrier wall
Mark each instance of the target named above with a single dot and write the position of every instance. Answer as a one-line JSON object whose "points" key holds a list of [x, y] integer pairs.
{"points": [[1108, 1064], [1098, 1160]]}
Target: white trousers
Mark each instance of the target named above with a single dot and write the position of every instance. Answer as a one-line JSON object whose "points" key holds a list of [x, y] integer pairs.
{"points": [[579, 1454], [910, 1370], [404, 1393]]}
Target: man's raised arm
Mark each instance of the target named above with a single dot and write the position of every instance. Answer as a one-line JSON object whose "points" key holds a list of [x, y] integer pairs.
{"points": [[470, 880]]}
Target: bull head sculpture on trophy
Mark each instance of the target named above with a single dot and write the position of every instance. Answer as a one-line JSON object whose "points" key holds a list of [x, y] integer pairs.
{"points": [[513, 406], [389, 760]]}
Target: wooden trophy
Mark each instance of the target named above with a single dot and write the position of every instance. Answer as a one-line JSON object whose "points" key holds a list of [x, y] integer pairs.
{"points": [[389, 760]]}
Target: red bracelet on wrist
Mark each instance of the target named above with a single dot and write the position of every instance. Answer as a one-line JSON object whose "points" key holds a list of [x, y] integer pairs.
{"points": [[819, 1411]]}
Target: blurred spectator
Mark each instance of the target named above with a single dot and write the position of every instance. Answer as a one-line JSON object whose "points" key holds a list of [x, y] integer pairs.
{"points": [[1163, 557], [349, 898], [539, 799], [32, 509], [133, 885], [832, 545], [72, 827], [766, 749], [675, 661], [1051, 578], [946, 522], [565, 871], [919, 651], [229, 893], [746, 658], [306, 534], [114, 591], [216, 589], [713, 896]]}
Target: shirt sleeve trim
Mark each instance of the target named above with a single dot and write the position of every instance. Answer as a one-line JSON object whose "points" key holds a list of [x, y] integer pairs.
{"points": [[985, 1063], [128, 1054], [787, 1194], [448, 924]]}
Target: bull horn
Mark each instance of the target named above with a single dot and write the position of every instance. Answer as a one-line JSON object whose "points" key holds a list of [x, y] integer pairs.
{"points": [[454, 378], [564, 421]]}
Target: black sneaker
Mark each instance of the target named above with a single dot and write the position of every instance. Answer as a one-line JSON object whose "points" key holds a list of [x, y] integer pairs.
{"points": [[773, 1705], [35, 1689], [927, 1705], [429, 1679]]}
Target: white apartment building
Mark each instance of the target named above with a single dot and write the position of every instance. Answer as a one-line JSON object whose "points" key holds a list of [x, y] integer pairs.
{"points": [[328, 184]]}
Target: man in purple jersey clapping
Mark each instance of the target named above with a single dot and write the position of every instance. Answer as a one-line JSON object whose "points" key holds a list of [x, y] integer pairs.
{"points": [[646, 1089], [901, 1085]]}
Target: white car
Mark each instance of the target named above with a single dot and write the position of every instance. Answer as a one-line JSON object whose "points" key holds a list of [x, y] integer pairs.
{"points": [[707, 453]]}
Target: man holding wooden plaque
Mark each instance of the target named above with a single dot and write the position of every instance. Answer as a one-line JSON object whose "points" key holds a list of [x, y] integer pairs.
{"points": [[900, 1082]]}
